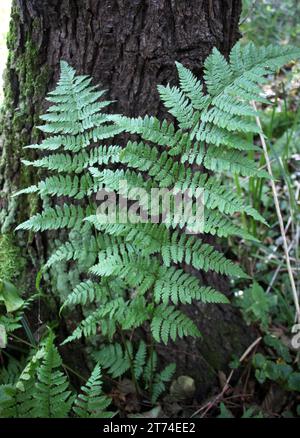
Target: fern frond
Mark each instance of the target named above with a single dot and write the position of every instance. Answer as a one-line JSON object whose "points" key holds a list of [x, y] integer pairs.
{"points": [[104, 318], [160, 380], [169, 323], [76, 163], [53, 399], [179, 287], [150, 129], [91, 403], [140, 264], [231, 161], [178, 105], [58, 217], [73, 187], [137, 311], [140, 360], [114, 359], [192, 87], [87, 292], [15, 403]]}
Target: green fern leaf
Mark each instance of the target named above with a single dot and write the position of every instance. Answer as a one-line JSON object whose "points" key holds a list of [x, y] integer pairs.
{"points": [[91, 403], [169, 323]]}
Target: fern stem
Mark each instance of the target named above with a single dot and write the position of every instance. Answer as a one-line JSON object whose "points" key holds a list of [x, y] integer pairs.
{"points": [[279, 215], [66, 367], [120, 330], [137, 388], [22, 341], [28, 331], [239, 192]]}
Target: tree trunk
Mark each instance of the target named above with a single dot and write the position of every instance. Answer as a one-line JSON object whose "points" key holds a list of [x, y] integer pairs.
{"points": [[129, 46]]}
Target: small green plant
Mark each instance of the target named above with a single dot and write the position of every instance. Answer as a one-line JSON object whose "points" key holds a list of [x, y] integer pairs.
{"points": [[144, 366], [277, 367], [277, 361], [12, 307], [250, 412], [257, 305]]}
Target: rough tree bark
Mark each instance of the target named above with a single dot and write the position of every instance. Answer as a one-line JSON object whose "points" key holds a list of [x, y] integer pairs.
{"points": [[129, 46]]}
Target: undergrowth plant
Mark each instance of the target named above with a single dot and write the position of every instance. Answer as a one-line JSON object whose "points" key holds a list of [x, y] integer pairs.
{"points": [[12, 308], [42, 389], [139, 274], [276, 364]]}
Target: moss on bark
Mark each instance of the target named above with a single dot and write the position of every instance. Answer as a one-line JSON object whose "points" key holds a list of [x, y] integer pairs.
{"points": [[11, 261], [25, 84]]}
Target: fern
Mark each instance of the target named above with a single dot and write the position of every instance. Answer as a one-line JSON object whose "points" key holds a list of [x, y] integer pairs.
{"points": [[42, 390], [170, 323], [86, 292], [136, 273], [70, 217], [15, 403], [91, 403], [52, 397], [17, 396], [216, 195], [179, 287], [118, 360], [9, 374], [60, 185], [105, 317], [172, 246], [140, 360], [115, 359], [77, 163], [82, 244], [160, 380]]}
